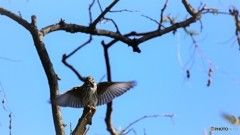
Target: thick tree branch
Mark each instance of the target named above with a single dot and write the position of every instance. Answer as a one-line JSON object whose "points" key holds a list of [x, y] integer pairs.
{"points": [[173, 27], [52, 79], [46, 63], [73, 28], [145, 36], [133, 39], [16, 18], [86, 119]]}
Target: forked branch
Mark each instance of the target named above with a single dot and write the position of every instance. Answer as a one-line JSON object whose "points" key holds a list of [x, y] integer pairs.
{"points": [[46, 63]]}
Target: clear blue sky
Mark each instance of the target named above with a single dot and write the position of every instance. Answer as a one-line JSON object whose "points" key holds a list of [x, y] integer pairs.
{"points": [[162, 84]]}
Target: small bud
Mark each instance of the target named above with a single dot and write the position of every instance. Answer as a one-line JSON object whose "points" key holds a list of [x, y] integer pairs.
{"points": [[188, 74], [209, 82], [210, 72]]}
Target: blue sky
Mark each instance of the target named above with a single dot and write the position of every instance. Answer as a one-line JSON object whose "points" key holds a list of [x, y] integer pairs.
{"points": [[162, 84]]}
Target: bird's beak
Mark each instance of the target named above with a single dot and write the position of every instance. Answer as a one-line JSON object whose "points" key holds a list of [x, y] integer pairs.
{"points": [[91, 84]]}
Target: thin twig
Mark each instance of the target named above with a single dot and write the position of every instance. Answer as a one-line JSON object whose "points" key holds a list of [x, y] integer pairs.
{"points": [[90, 11], [114, 23], [107, 61], [79, 47], [161, 16], [99, 5], [4, 100], [151, 19], [123, 10], [64, 61], [10, 124], [201, 54], [93, 25], [124, 131], [65, 57], [101, 79], [108, 19], [8, 59]]}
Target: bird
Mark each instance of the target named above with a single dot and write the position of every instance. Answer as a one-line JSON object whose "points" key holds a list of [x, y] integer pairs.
{"points": [[92, 94]]}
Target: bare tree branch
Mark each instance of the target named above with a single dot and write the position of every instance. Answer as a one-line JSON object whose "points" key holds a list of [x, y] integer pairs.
{"points": [[122, 10], [133, 39], [189, 8], [73, 28], [153, 20], [235, 13], [16, 18], [126, 131], [65, 57], [9, 59], [173, 27], [93, 25], [161, 16], [10, 124], [86, 119], [108, 118], [64, 61], [117, 36], [108, 19], [90, 11], [46, 63]]}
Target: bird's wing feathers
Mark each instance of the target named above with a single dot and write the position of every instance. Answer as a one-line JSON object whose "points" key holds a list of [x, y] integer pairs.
{"points": [[70, 98], [107, 91]]}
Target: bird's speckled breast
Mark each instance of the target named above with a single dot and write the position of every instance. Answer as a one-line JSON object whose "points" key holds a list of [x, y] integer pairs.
{"points": [[90, 98]]}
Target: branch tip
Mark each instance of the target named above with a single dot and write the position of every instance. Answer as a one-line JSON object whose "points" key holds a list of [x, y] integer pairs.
{"points": [[136, 49], [62, 22], [34, 20], [189, 8]]}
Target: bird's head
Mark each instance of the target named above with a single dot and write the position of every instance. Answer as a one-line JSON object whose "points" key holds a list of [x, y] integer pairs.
{"points": [[90, 81]]}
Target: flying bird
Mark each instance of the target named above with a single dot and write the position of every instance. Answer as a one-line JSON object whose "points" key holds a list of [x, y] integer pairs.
{"points": [[92, 94]]}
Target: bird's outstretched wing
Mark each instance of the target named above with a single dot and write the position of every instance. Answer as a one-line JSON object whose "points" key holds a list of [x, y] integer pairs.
{"points": [[107, 91], [70, 98]]}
